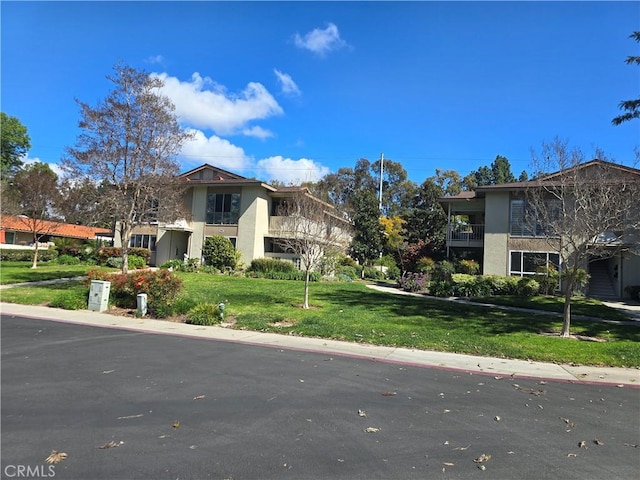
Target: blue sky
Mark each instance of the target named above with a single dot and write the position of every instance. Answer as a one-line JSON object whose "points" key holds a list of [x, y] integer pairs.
{"points": [[294, 90]]}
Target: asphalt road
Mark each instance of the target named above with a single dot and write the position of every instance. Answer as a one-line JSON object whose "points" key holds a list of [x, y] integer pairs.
{"points": [[248, 412]]}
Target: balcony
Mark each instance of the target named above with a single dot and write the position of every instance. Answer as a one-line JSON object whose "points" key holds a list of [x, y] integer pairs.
{"points": [[465, 235]]}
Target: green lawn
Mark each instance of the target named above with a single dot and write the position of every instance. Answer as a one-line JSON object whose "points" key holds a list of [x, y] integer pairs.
{"points": [[353, 312], [18, 272], [579, 306]]}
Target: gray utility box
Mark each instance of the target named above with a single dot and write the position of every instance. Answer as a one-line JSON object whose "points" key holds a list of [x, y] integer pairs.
{"points": [[99, 295]]}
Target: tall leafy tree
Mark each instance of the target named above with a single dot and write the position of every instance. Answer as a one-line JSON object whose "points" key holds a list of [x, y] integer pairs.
{"points": [[15, 144], [37, 185], [501, 171], [130, 140], [498, 172], [630, 107], [427, 220], [368, 237], [397, 189], [340, 187], [448, 181]]}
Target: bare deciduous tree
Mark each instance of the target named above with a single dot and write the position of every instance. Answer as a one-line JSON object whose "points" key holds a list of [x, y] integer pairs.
{"points": [[37, 189], [129, 140], [585, 210], [310, 229]]}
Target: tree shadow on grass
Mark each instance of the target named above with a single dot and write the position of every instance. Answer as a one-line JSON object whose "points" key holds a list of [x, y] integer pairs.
{"points": [[486, 321]]}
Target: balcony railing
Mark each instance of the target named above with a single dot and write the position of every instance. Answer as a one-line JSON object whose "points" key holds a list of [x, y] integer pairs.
{"points": [[465, 234]]}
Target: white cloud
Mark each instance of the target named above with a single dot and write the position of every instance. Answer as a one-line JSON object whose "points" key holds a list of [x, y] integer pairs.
{"points": [[57, 169], [202, 103], [287, 84], [291, 171], [320, 41], [215, 151], [257, 132], [156, 59]]}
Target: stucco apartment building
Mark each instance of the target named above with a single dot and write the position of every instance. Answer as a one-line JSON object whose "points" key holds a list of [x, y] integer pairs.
{"points": [[219, 202], [489, 224]]}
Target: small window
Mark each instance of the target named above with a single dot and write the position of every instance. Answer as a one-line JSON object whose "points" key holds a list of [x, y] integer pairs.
{"points": [[143, 241]]}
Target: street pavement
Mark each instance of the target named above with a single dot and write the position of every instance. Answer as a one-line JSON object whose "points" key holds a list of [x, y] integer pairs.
{"points": [[629, 377], [128, 398]]}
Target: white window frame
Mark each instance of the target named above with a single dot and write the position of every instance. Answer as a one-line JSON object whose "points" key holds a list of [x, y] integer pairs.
{"points": [[521, 272]]}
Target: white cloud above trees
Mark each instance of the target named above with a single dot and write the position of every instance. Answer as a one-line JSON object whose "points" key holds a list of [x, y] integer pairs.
{"points": [[215, 151], [211, 113], [290, 171], [202, 103]]}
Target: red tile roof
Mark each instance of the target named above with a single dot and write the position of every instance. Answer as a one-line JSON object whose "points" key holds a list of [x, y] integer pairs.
{"points": [[56, 229]]}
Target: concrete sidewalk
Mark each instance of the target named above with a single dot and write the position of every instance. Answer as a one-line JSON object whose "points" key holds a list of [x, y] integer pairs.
{"points": [[629, 377]]}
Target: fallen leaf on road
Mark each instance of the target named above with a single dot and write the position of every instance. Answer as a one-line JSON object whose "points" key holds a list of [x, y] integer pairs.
{"points": [[388, 394], [108, 371], [631, 445], [176, 424], [568, 422], [497, 418], [462, 448], [569, 455], [111, 444], [482, 467], [597, 442], [131, 416], [498, 377], [449, 464], [582, 444], [362, 413], [371, 430], [199, 397], [482, 458], [56, 457]]}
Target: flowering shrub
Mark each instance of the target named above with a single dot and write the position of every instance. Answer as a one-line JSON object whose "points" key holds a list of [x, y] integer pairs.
{"points": [[470, 267], [161, 287], [104, 253], [413, 282]]}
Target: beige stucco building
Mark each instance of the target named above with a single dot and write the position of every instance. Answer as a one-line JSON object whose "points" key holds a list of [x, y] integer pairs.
{"points": [[489, 225], [219, 202]]}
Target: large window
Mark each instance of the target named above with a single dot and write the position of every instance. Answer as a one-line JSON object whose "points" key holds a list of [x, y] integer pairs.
{"points": [[524, 223], [526, 263], [143, 241], [223, 208]]}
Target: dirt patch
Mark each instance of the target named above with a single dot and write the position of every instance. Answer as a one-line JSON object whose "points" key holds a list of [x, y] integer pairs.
{"points": [[283, 324], [581, 338], [311, 307]]}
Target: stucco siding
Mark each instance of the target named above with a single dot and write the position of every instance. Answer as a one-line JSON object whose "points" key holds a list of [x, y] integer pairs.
{"points": [[496, 253], [253, 224], [198, 218]]}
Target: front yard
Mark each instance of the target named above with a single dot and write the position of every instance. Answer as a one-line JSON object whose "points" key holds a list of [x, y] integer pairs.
{"points": [[353, 312]]}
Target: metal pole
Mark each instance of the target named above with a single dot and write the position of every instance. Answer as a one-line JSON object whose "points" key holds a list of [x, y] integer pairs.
{"points": [[381, 171]]}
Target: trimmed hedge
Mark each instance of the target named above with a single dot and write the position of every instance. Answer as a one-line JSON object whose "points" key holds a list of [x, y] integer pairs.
{"points": [[271, 265], [26, 255], [294, 275]]}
